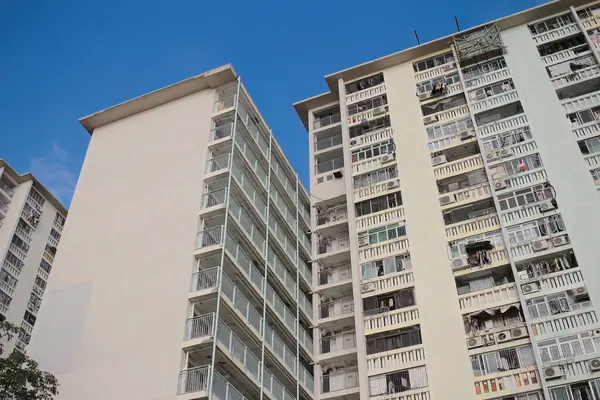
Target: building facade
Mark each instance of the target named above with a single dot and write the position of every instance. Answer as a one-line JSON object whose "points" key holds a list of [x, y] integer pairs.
{"points": [[31, 224], [455, 195], [183, 273]]}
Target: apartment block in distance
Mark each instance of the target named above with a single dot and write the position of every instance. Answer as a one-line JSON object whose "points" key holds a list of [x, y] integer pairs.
{"points": [[455, 233], [31, 225], [184, 272]]}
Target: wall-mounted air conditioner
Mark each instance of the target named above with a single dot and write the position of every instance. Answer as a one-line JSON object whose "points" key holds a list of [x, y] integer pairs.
{"points": [[580, 292], [502, 337], [459, 263], [553, 373], [546, 206], [387, 158], [500, 184], [363, 241], [367, 287], [540, 245], [468, 134], [475, 342], [492, 155], [560, 240], [438, 160], [379, 110], [595, 364], [430, 119], [424, 96], [530, 288], [393, 184], [518, 333], [505, 153], [444, 200], [355, 141]]}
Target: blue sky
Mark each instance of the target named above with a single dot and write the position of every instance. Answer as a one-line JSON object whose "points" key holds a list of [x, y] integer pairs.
{"points": [[62, 60]]}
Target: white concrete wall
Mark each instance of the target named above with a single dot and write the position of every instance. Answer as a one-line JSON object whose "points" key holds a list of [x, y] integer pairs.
{"points": [[577, 198], [111, 323], [448, 367]]}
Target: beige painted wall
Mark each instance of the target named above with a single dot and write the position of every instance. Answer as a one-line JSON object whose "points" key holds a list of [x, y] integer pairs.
{"points": [[111, 323], [448, 367]]}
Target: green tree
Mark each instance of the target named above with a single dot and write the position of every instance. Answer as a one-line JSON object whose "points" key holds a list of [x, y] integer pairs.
{"points": [[20, 377]]}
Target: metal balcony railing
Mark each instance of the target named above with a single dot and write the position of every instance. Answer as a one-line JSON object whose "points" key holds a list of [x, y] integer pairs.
{"points": [[210, 237], [339, 342], [328, 142], [334, 275], [330, 245], [238, 351], [325, 121], [329, 165], [240, 215], [336, 308], [245, 263], [214, 198], [339, 381], [4, 207], [194, 379], [9, 191], [201, 326], [218, 163], [205, 279], [336, 214], [242, 304], [224, 103], [222, 131]]}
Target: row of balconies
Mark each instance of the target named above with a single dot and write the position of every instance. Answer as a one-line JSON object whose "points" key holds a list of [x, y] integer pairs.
{"points": [[555, 34]]}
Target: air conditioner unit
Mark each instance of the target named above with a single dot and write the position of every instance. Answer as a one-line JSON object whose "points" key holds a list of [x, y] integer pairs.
{"points": [[430, 119], [518, 333], [560, 241], [500, 184], [459, 263], [363, 241], [530, 288], [503, 337], [596, 332], [475, 342], [367, 287], [354, 142], [424, 96], [447, 200], [471, 83], [553, 373], [506, 153], [546, 206], [523, 275], [379, 110], [393, 184], [580, 292], [438, 160], [595, 364], [540, 245], [468, 134], [448, 67], [364, 123], [491, 156], [387, 158]]}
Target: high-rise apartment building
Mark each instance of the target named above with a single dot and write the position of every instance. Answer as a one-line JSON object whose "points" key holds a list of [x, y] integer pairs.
{"points": [[455, 234], [183, 270], [31, 223]]}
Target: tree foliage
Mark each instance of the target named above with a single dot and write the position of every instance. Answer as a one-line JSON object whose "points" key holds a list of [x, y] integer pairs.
{"points": [[20, 376]]}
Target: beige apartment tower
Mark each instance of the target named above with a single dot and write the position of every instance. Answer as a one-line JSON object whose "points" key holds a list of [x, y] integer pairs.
{"points": [[31, 224], [456, 211]]}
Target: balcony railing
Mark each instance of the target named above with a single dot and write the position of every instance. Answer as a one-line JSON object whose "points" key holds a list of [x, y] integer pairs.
{"points": [[392, 282], [391, 185], [281, 351], [507, 382], [336, 308], [335, 275], [451, 141], [223, 390], [384, 249], [214, 198], [365, 93], [583, 102], [241, 177], [326, 121], [224, 103], [245, 263], [381, 218], [580, 75], [329, 165], [210, 237], [395, 359], [205, 279], [258, 133], [242, 218], [592, 160], [591, 22], [374, 136], [521, 213], [568, 279], [435, 72], [218, 163], [565, 55], [523, 250], [372, 164], [458, 167], [194, 380], [337, 381], [396, 319], [586, 130], [449, 115], [242, 304], [222, 131], [580, 318], [21, 254], [495, 101], [288, 186], [332, 245], [238, 351], [9, 191], [528, 178], [467, 195], [472, 227], [328, 143], [274, 388], [339, 213], [489, 298], [201, 326], [503, 125], [252, 159], [556, 34], [339, 342], [488, 78]]}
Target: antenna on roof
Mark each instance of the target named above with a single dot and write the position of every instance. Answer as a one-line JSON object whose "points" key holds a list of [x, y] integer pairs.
{"points": [[417, 36], [457, 26]]}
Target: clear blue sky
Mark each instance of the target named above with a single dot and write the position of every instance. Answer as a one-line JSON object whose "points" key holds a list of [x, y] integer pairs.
{"points": [[62, 60]]}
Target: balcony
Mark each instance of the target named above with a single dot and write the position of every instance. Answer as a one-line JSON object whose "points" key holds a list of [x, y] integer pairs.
{"points": [[498, 257], [524, 213], [488, 78], [341, 384], [405, 357], [579, 103], [374, 136], [591, 22], [6, 190], [528, 178], [544, 245], [438, 71], [580, 318], [495, 101], [204, 282], [365, 93], [377, 189], [465, 196], [474, 226], [578, 76], [503, 125], [489, 298], [336, 311], [556, 34], [507, 383], [333, 245], [220, 133], [365, 116], [447, 115], [326, 120], [553, 283], [384, 249], [592, 160], [333, 277], [332, 216], [21, 254], [586, 131], [328, 143], [459, 139], [460, 166], [387, 283], [194, 380], [381, 218], [387, 321], [217, 165], [338, 347], [566, 55], [199, 330], [329, 165]]}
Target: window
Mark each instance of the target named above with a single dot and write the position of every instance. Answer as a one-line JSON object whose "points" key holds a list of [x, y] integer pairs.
{"points": [[549, 305], [427, 86], [588, 13], [386, 147], [389, 302], [566, 347], [433, 62], [522, 197], [483, 68], [40, 282], [386, 266], [492, 90], [385, 233], [589, 146], [587, 390], [377, 204], [458, 248], [45, 265], [14, 260], [8, 278], [364, 83], [550, 24], [507, 139], [502, 360], [367, 104], [54, 234], [17, 241], [393, 340], [375, 177], [449, 129], [37, 197], [520, 165], [577, 43]]}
